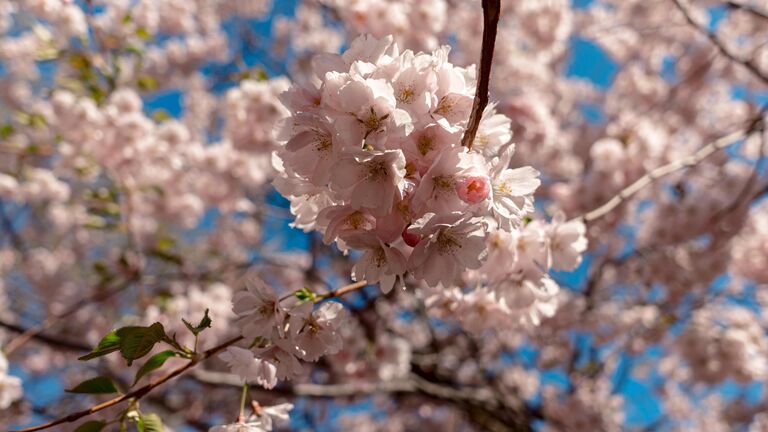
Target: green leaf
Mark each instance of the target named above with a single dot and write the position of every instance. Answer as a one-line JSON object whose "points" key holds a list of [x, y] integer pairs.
{"points": [[204, 324], [161, 115], [110, 343], [98, 385], [167, 256], [151, 423], [154, 362], [142, 33], [135, 50], [305, 294], [136, 342], [97, 93], [6, 130], [79, 61], [146, 83], [37, 120], [165, 243], [91, 426]]}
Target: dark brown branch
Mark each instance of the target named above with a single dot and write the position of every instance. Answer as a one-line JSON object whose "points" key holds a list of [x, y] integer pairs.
{"points": [[32, 332], [480, 403], [53, 341], [491, 14]]}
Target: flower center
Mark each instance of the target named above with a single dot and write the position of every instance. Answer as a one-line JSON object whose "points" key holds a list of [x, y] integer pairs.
{"points": [[443, 183], [323, 143], [447, 243], [445, 106], [424, 144], [356, 220], [406, 95], [377, 170]]}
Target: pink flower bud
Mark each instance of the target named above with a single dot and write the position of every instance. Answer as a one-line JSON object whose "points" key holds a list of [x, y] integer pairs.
{"points": [[473, 189], [411, 239]]}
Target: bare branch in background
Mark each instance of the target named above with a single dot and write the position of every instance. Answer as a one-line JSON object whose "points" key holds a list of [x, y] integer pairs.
{"points": [[746, 62], [748, 8], [138, 393], [756, 125]]}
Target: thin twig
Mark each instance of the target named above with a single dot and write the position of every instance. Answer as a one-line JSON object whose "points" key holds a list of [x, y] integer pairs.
{"points": [[334, 293], [664, 170], [491, 13], [746, 62], [138, 393], [32, 332], [410, 384], [142, 391], [51, 340], [743, 198], [748, 8]]}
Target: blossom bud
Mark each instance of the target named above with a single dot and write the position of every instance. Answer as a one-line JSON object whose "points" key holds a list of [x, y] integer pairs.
{"points": [[473, 189], [411, 239]]}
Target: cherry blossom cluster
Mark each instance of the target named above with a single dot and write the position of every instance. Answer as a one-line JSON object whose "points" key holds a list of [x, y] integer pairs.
{"points": [[417, 23], [516, 288], [373, 161], [591, 405], [280, 335], [750, 249], [724, 342]]}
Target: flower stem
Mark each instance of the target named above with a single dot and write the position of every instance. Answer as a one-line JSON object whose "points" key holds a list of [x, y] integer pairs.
{"points": [[241, 417]]}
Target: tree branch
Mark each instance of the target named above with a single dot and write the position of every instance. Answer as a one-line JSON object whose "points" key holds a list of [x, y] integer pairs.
{"points": [[467, 397], [54, 341], [665, 170], [142, 391], [138, 393], [747, 63], [334, 293], [747, 8], [491, 14], [30, 333]]}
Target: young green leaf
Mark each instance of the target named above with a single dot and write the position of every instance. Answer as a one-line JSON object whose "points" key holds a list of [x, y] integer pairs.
{"points": [[136, 342], [305, 294], [98, 385], [154, 362], [6, 130], [143, 33], [150, 423], [110, 343], [91, 426], [204, 324]]}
